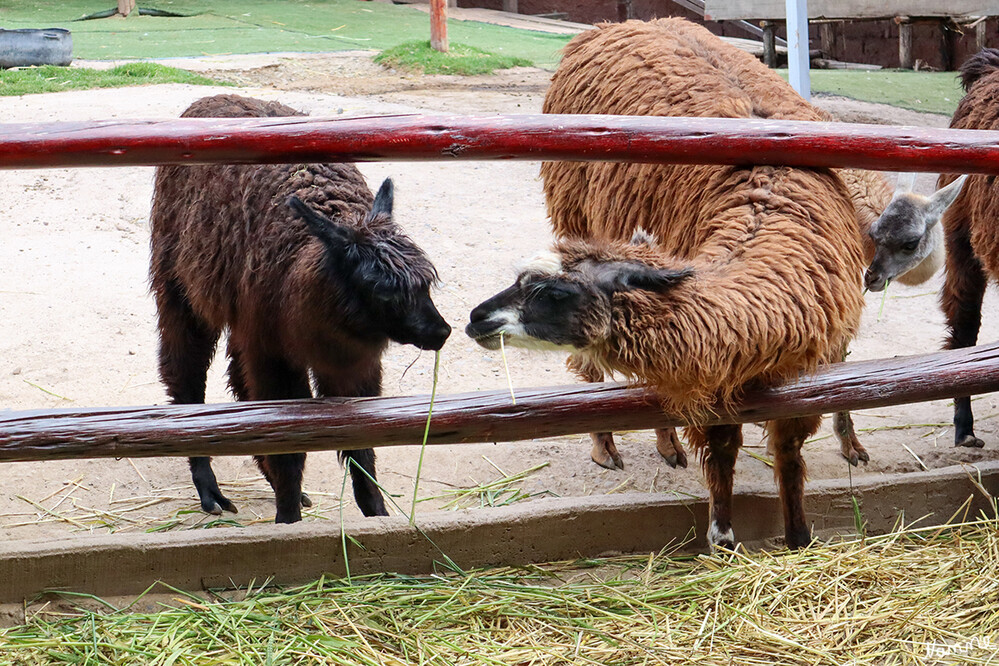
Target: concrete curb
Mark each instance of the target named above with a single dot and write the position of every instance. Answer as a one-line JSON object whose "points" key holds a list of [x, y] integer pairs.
{"points": [[540, 531]]}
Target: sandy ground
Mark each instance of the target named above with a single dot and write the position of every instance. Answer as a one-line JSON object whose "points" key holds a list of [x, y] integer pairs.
{"points": [[77, 324]]}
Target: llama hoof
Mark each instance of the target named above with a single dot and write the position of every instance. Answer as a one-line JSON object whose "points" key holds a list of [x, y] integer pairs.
{"points": [[669, 447], [678, 459], [306, 500], [798, 540], [605, 453], [970, 441], [858, 456], [609, 462], [720, 539], [216, 504]]}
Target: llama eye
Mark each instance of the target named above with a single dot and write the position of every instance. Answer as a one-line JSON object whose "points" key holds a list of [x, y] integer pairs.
{"points": [[556, 294], [910, 246]]}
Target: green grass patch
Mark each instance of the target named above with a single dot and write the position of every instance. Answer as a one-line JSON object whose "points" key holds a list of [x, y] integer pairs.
{"points": [[930, 92], [263, 26], [460, 59], [48, 78]]}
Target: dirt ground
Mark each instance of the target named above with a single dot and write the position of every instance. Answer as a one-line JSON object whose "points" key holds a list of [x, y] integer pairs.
{"points": [[77, 325]]}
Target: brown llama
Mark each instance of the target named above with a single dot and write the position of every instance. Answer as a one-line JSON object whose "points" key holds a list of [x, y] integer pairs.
{"points": [[672, 67], [752, 276], [307, 273]]}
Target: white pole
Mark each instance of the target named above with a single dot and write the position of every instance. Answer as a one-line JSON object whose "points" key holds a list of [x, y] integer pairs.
{"points": [[797, 46]]}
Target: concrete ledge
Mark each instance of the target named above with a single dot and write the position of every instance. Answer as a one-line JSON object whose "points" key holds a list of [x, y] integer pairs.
{"points": [[540, 531]]}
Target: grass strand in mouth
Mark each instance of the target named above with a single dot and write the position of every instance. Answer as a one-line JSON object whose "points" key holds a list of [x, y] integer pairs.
{"points": [[426, 435], [509, 380]]}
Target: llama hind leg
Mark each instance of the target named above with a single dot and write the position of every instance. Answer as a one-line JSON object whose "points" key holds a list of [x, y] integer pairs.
{"points": [[603, 450], [785, 438], [963, 290], [240, 390], [719, 447], [268, 377], [187, 345], [849, 445], [669, 447]]}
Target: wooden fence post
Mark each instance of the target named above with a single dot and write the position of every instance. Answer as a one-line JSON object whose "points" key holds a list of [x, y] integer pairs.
{"points": [[438, 25], [770, 44], [904, 42], [125, 7]]}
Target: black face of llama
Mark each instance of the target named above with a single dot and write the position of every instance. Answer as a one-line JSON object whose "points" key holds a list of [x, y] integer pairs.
{"points": [[907, 232], [553, 308], [389, 276]]}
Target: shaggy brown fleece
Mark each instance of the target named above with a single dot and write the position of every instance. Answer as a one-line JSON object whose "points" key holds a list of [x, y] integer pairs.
{"points": [[776, 251]]}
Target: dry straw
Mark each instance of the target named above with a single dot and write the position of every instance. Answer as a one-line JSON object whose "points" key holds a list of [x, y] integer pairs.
{"points": [[925, 596]]}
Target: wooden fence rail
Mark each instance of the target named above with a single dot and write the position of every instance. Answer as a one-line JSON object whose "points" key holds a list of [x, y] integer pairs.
{"points": [[525, 137], [315, 425]]}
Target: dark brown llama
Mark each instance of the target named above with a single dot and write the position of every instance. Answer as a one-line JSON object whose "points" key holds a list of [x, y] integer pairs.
{"points": [[972, 237], [306, 272]]}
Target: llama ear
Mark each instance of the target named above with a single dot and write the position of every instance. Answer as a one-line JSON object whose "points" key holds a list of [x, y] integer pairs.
{"points": [[905, 183], [624, 276], [330, 232], [642, 237], [940, 200], [383, 200]]}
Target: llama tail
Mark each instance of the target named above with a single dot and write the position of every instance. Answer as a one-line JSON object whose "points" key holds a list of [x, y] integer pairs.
{"points": [[978, 65]]}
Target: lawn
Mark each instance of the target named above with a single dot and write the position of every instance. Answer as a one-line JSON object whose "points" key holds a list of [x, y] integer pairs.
{"points": [[258, 26], [932, 92]]}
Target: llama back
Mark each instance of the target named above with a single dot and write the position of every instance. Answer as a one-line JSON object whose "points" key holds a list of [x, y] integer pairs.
{"points": [[668, 67], [194, 213]]}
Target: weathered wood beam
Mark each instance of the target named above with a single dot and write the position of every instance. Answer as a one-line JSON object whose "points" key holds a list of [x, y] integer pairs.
{"points": [[770, 44], [316, 425], [905, 58], [524, 137]]}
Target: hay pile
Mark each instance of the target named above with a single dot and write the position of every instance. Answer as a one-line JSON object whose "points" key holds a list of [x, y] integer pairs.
{"points": [[918, 596]]}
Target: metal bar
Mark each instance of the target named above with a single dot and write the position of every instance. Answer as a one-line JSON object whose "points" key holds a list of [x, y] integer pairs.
{"points": [[797, 47]]}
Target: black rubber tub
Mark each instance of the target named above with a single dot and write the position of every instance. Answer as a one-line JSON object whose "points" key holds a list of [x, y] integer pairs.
{"points": [[48, 46]]}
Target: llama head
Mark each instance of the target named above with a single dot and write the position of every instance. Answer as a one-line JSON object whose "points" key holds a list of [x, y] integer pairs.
{"points": [[562, 302], [908, 233], [381, 274]]}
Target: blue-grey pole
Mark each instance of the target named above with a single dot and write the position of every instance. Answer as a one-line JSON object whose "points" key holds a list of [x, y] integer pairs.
{"points": [[797, 46]]}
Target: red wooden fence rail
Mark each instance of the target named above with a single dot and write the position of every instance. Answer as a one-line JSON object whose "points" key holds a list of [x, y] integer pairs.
{"points": [[526, 137], [345, 423]]}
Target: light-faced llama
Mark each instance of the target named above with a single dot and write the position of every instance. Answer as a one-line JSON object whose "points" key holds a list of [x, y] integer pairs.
{"points": [[675, 68], [306, 272], [753, 276]]}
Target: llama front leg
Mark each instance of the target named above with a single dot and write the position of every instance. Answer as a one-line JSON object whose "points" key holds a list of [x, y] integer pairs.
{"points": [[719, 448], [268, 377], [964, 287], [360, 462], [785, 438], [603, 450], [187, 345]]}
